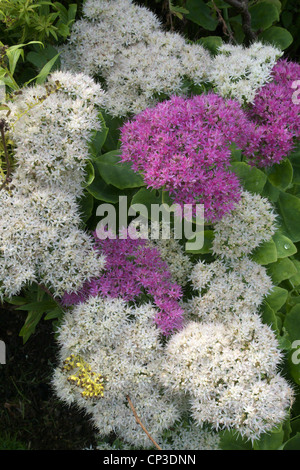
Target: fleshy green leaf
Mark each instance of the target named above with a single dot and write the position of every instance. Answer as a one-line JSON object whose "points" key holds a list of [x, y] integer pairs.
{"points": [[281, 175], [277, 36], [266, 253], [289, 210], [117, 173], [281, 270], [200, 14], [252, 178]]}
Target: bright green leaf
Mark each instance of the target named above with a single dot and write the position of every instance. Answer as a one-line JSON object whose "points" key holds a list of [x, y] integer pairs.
{"points": [[277, 36], [117, 173], [281, 175], [266, 253], [281, 270], [201, 14], [289, 210], [251, 178], [263, 15], [284, 246]]}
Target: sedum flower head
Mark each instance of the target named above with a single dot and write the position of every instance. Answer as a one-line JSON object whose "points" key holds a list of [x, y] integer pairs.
{"points": [[277, 115], [226, 290], [108, 27], [251, 223], [133, 269], [183, 146], [51, 126], [40, 241], [148, 71], [122, 344], [229, 372], [239, 72]]}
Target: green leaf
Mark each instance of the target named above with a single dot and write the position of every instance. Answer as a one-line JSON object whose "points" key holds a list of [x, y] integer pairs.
{"points": [[277, 298], [98, 140], [13, 57], [117, 173], [147, 197], [293, 443], [230, 440], [72, 12], [295, 279], [269, 317], [266, 253], [40, 306], [284, 246], [263, 15], [89, 174], [289, 210], [292, 323], [281, 175], [41, 77], [102, 191], [251, 178], [270, 192], [30, 324], [281, 270], [41, 55], [55, 313], [270, 441], [211, 43], [276, 3], [277, 36], [200, 14], [207, 245], [86, 204]]}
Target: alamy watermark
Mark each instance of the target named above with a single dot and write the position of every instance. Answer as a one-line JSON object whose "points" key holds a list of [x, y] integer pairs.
{"points": [[295, 358], [188, 222], [296, 95], [2, 352]]}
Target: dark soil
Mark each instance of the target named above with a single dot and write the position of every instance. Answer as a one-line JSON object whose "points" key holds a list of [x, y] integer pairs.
{"points": [[31, 416]]}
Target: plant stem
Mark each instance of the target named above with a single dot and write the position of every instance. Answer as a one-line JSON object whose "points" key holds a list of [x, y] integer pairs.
{"points": [[141, 424], [242, 7]]}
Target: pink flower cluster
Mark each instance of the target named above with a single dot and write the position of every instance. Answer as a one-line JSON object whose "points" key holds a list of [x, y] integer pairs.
{"points": [[134, 271], [276, 115], [183, 146]]}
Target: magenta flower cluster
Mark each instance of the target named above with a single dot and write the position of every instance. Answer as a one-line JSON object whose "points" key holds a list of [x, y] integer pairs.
{"points": [[277, 115], [134, 271], [183, 146]]}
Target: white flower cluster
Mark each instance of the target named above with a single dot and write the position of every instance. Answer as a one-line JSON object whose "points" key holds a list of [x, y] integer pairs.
{"points": [[40, 242], [251, 222], [108, 27], [226, 289], [226, 359], [229, 372], [51, 130], [191, 436], [147, 71], [124, 43], [171, 251], [238, 72], [123, 345], [40, 236]]}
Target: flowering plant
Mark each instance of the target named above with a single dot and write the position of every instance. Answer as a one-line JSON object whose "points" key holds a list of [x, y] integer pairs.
{"points": [[162, 346]]}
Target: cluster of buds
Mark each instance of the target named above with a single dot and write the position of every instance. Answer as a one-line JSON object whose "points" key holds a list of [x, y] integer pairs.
{"points": [[85, 378]]}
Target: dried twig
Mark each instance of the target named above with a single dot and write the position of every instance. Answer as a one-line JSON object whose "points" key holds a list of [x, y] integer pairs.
{"points": [[141, 424]]}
